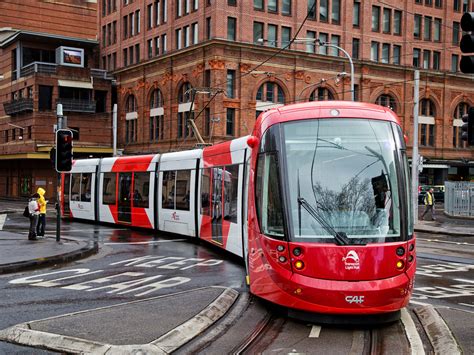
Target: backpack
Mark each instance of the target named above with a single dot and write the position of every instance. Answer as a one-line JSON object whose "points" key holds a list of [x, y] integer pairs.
{"points": [[26, 212]]}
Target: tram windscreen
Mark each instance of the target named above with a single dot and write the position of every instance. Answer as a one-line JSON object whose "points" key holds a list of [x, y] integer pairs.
{"points": [[342, 180]]}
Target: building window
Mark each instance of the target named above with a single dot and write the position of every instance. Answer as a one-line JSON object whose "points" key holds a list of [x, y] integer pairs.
{"points": [[230, 121], [355, 48], [375, 18], [230, 92], [312, 9], [335, 40], [416, 57], [157, 46], [257, 32], [321, 94], [156, 115], [258, 4], [272, 35], [456, 33], [436, 60], [454, 63], [231, 28], [286, 7], [417, 27], [163, 43], [186, 36], [137, 53], [323, 37], [323, 10], [374, 51], [457, 5], [149, 16], [131, 104], [229, 2], [437, 30], [427, 28], [385, 53], [125, 59], [208, 28], [356, 14], [269, 95], [150, 48], [285, 37], [311, 46], [207, 122], [439, 3], [426, 59], [178, 38], [427, 129], [387, 101], [336, 11], [465, 5], [272, 5], [397, 22], [125, 26], [387, 19], [396, 54]]}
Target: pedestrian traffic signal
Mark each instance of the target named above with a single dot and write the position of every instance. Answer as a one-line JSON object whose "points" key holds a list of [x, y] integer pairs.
{"points": [[63, 150], [467, 43], [467, 128]]}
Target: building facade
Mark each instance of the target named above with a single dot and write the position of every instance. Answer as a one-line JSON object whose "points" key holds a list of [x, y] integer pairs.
{"points": [[44, 62], [159, 49]]}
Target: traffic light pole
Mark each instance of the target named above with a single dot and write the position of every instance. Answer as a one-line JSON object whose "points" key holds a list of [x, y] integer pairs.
{"points": [[59, 112]]}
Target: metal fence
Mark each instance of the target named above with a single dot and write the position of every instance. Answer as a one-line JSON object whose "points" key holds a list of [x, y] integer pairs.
{"points": [[459, 198]]}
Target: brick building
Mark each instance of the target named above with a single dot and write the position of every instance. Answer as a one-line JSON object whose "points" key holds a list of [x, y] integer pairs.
{"points": [[49, 55], [158, 49]]}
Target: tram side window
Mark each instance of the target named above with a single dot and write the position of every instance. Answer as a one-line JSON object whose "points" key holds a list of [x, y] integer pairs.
{"points": [[86, 187], [183, 185], [267, 193], [231, 186], [169, 179], [108, 193], [75, 187], [141, 190], [205, 192]]}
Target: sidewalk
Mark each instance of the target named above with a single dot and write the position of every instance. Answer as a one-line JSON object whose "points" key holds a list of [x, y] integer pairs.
{"points": [[444, 224]]}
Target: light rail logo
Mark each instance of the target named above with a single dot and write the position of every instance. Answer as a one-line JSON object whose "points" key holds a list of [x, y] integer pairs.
{"points": [[351, 260]]}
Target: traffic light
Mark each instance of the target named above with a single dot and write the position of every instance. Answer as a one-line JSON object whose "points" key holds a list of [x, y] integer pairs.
{"points": [[63, 150], [467, 43], [467, 127]]}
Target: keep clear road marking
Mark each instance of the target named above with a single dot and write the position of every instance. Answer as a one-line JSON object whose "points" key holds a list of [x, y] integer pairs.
{"points": [[150, 242], [3, 217], [315, 330]]}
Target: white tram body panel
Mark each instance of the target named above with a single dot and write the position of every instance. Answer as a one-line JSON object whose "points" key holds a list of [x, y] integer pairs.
{"points": [[83, 188]]}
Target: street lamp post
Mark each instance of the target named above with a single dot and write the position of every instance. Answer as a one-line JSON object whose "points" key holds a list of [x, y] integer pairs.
{"points": [[325, 44], [321, 43]]}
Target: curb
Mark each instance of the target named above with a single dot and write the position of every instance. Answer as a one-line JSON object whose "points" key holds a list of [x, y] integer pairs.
{"points": [[435, 230], [46, 261], [21, 334]]}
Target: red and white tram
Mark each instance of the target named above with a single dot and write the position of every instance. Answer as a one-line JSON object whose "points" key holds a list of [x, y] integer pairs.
{"points": [[316, 201]]}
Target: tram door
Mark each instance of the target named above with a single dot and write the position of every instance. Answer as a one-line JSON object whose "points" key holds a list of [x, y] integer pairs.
{"points": [[124, 200]]}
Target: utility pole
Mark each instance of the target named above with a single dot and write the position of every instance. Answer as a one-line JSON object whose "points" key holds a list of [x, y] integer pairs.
{"points": [[59, 114], [415, 159], [114, 129]]}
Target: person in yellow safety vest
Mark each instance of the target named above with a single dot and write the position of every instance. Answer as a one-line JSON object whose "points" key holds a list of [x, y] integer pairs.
{"points": [[42, 213], [429, 204]]}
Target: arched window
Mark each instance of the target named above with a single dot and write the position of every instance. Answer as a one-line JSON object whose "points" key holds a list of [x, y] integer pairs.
{"points": [[131, 118], [156, 115], [269, 95], [131, 104], [427, 112], [387, 101], [184, 100], [321, 94], [461, 109]]}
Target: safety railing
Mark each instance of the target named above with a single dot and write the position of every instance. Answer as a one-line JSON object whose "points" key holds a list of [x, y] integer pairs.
{"points": [[459, 199]]}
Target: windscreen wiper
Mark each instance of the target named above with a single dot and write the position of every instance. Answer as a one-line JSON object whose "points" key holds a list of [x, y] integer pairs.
{"points": [[339, 237]]}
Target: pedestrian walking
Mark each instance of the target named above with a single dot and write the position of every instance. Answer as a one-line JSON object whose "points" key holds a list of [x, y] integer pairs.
{"points": [[33, 209], [429, 204], [42, 213]]}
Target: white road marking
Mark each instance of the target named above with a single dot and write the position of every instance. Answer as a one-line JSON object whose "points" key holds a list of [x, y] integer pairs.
{"points": [[412, 334], [466, 304], [465, 280], [419, 303], [444, 241], [315, 330], [149, 242], [3, 218]]}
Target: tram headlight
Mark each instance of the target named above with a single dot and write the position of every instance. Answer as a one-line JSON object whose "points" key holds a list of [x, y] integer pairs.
{"points": [[400, 264], [410, 258], [299, 265], [280, 248], [400, 251], [297, 252], [282, 259], [412, 246]]}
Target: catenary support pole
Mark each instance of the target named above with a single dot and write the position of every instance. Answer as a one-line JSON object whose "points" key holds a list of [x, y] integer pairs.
{"points": [[415, 159], [114, 129], [59, 114]]}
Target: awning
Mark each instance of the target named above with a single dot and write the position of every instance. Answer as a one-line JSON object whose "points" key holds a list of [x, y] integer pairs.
{"points": [[76, 84]]}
